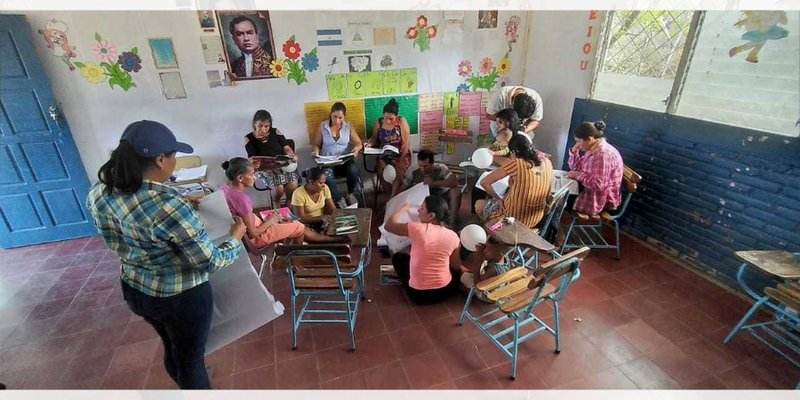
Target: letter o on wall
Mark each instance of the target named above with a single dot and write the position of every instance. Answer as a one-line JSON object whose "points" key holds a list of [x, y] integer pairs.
{"points": [[587, 48]]}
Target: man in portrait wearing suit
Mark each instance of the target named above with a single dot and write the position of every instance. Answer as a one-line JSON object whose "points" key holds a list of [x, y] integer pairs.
{"points": [[254, 60]]}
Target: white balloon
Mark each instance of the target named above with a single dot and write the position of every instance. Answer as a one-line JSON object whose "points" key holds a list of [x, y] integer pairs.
{"points": [[291, 167], [389, 173], [472, 235], [482, 158]]}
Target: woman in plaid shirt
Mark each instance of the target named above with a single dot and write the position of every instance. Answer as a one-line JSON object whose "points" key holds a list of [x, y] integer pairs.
{"points": [[598, 167], [163, 247]]}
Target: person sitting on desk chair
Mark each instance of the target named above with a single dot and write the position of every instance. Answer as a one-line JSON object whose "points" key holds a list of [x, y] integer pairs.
{"points": [[266, 140], [438, 177], [336, 137], [312, 202]]}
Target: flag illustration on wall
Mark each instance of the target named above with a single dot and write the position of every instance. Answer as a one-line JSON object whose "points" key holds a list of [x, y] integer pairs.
{"points": [[329, 37]]}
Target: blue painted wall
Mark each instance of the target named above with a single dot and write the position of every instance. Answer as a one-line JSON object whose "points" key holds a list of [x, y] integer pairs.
{"points": [[708, 189]]}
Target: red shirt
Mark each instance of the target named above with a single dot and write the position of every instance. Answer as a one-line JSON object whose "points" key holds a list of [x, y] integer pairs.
{"points": [[600, 172]]}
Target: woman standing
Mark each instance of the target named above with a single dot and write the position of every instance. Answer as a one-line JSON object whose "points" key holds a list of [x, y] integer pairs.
{"points": [[267, 141], [336, 137], [599, 169], [528, 189], [428, 271], [165, 252], [392, 129]]}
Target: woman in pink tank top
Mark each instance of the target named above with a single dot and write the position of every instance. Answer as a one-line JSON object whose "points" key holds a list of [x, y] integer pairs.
{"points": [[429, 270]]}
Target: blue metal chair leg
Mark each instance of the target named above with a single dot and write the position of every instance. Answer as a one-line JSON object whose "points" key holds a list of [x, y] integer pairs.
{"points": [[744, 319], [557, 327], [466, 306], [294, 322], [351, 321], [566, 235], [515, 353]]}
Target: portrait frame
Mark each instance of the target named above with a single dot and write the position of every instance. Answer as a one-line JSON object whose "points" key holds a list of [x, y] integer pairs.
{"points": [[232, 52], [163, 51], [206, 20], [487, 19]]}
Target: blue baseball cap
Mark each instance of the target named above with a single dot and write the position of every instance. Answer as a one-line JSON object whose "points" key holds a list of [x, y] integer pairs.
{"points": [[150, 139]]}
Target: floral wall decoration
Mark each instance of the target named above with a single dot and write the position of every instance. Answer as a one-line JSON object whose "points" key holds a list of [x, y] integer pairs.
{"points": [[55, 35], [113, 68], [295, 66], [422, 33], [490, 74]]}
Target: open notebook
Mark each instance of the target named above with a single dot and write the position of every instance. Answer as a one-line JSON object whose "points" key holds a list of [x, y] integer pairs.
{"points": [[388, 149]]}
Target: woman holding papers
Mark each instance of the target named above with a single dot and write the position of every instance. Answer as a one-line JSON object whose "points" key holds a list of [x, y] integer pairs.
{"points": [[429, 270], [598, 167], [392, 130], [165, 252], [530, 180], [336, 137], [240, 174], [266, 140]]}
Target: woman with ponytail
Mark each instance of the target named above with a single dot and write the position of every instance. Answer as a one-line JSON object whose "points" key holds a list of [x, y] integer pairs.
{"points": [[164, 250], [598, 167], [531, 176]]}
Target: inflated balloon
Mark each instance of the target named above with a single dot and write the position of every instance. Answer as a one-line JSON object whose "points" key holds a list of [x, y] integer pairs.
{"points": [[389, 173], [482, 158], [291, 167], [472, 235]]}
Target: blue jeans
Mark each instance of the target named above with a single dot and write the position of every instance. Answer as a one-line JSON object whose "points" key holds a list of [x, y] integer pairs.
{"points": [[183, 322], [350, 171]]}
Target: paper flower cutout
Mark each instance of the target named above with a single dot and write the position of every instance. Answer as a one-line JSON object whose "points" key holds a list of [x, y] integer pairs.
{"points": [[464, 68], [310, 62], [277, 67], [105, 51], [486, 65], [291, 49], [504, 67], [116, 69], [129, 61], [422, 33], [92, 72]]}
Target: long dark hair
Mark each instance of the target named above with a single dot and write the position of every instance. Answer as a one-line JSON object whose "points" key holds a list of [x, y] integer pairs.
{"points": [[510, 116], [522, 148], [124, 171], [590, 129], [438, 206], [338, 106], [236, 166]]}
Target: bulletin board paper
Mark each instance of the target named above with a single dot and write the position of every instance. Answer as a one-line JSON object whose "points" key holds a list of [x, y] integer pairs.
{"points": [[356, 86], [431, 121], [469, 104], [373, 83], [317, 112], [337, 86], [451, 103], [431, 102], [409, 109]]}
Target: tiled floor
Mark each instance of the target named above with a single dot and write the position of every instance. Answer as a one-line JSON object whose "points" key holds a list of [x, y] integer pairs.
{"points": [[641, 322]]}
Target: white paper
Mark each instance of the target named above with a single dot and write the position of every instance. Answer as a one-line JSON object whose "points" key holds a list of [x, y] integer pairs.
{"points": [[381, 150], [212, 49], [500, 186], [322, 160], [188, 174], [241, 302], [560, 180], [413, 197]]}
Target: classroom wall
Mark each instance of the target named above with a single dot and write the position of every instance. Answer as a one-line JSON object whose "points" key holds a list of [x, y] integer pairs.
{"points": [[561, 56], [707, 189], [215, 120]]}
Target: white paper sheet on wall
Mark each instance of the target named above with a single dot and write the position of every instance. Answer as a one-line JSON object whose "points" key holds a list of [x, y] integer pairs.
{"points": [[241, 302]]}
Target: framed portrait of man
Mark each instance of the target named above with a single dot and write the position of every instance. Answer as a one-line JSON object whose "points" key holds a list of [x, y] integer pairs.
{"points": [[248, 44]]}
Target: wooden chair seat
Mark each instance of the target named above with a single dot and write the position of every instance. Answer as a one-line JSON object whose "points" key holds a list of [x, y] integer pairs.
{"points": [[499, 280], [523, 298], [605, 216], [783, 297], [508, 290], [323, 283]]}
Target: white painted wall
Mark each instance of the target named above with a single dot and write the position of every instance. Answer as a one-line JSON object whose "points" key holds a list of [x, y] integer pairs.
{"points": [[555, 51], [215, 120]]}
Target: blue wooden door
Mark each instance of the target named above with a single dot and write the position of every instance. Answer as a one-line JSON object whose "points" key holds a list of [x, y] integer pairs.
{"points": [[43, 184]]}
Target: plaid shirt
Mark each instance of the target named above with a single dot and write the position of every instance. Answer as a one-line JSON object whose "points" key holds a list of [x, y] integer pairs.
{"points": [[160, 239], [600, 173]]}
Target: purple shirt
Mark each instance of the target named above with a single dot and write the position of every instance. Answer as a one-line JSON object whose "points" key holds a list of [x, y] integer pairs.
{"points": [[238, 202]]}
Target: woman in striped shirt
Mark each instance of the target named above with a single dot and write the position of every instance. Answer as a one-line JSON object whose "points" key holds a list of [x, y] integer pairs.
{"points": [[598, 167], [531, 178]]}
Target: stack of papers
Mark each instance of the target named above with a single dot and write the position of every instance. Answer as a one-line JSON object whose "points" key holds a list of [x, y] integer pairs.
{"points": [[346, 225], [381, 150]]}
